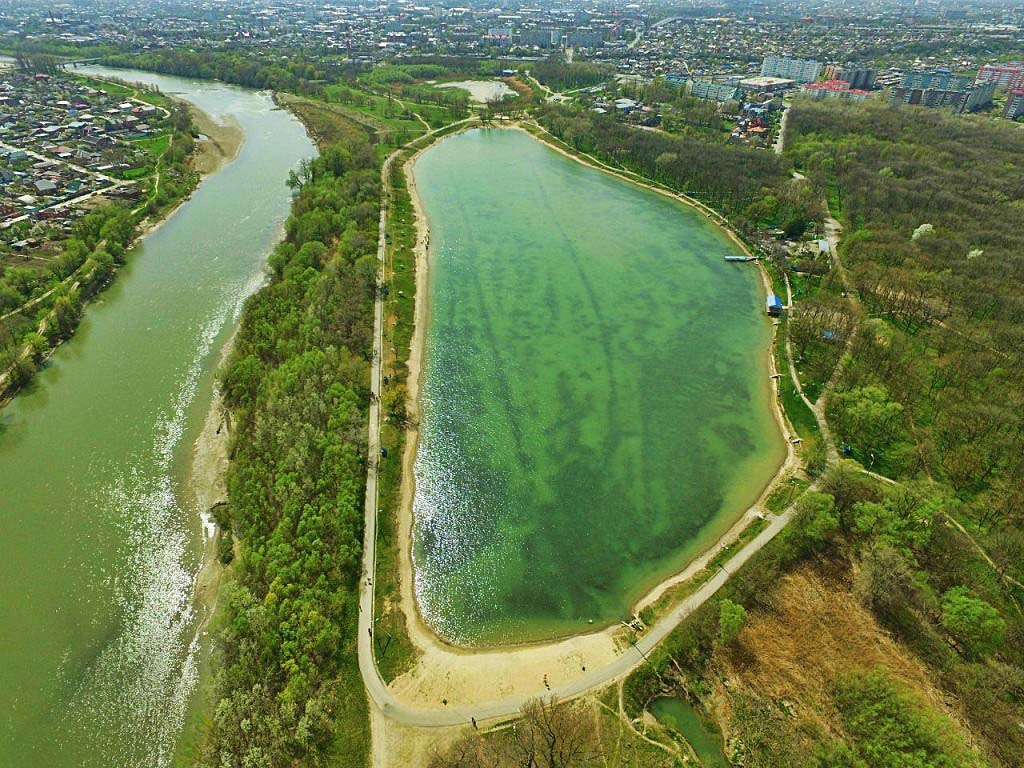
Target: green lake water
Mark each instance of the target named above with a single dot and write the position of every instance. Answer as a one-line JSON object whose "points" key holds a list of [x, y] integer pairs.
{"points": [[596, 406], [682, 717], [102, 539]]}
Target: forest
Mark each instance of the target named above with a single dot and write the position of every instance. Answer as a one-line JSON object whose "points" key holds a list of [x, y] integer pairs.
{"points": [[559, 75], [297, 389], [269, 70], [930, 206], [734, 180]]}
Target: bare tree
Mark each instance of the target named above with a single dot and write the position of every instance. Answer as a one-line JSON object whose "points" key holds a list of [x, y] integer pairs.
{"points": [[550, 735]]}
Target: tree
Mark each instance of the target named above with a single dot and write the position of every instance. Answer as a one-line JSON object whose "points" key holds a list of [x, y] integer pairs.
{"points": [[890, 727], [731, 620], [67, 309], [817, 517], [795, 227], [866, 417], [973, 622], [848, 485], [394, 404], [887, 582], [550, 735], [904, 518]]}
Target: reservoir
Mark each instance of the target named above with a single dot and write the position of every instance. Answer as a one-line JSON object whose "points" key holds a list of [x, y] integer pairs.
{"points": [[595, 397], [102, 539]]}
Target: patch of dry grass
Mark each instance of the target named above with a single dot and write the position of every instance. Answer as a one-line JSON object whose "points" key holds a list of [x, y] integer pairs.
{"points": [[815, 633]]}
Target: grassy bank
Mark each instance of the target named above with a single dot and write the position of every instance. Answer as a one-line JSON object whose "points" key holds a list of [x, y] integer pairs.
{"points": [[397, 653]]}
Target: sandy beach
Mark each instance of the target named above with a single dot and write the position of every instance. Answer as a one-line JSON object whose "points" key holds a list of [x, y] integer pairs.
{"points": [[220, 142], [207, 481], [221, 145]]}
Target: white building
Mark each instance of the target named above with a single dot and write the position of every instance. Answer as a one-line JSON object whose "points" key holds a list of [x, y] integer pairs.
{"points": [[800, 70]]}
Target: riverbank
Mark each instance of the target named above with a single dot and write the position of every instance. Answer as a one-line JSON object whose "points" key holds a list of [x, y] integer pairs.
{"points": [[102, 567], [219, 145], [206, 158]]}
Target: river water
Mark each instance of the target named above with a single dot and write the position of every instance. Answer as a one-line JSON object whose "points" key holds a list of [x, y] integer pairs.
{"points": [[102, 540], [596, 401]]}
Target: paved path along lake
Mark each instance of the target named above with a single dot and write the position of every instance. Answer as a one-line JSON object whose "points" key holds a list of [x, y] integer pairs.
{"points": [[102, 540], [596, 401]]}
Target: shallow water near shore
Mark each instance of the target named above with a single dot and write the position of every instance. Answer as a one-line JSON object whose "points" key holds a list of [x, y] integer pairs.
{"points": [[102, 538], [683, 717], [595, 399]]}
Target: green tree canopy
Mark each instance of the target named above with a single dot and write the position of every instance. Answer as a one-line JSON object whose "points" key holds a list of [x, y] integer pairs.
{"points": [[731, 620], [972, 621]]}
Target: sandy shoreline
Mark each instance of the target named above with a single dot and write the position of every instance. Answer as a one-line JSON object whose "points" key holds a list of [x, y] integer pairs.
{"points": [[477, 675], [221, 143], [207, 487], [207, 475], [469, 676]]}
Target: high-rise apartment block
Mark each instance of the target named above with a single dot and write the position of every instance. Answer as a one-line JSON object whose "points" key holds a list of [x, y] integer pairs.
{"points": [[798, 70]]}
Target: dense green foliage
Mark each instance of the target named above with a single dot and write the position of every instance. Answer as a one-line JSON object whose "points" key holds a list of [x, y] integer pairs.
{"points": [[890, 729], [269, 69], [936, 385], [731, 619], [297, 384], [972, 621], [732, 179], [558, 75]]}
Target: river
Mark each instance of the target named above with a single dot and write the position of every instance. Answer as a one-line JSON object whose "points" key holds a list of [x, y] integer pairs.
{"points": [[596, 400], [102, 539]]}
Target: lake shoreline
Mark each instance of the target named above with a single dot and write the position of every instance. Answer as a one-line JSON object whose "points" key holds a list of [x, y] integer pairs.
{"points": [[722, 535]]}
